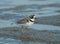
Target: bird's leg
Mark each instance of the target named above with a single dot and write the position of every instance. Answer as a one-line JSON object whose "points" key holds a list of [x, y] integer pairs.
{"points": [[24, 29]]}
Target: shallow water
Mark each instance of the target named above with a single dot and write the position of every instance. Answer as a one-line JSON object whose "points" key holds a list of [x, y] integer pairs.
{"points": [[34, 26], [13, 10], [4, 40], [14, 41]]}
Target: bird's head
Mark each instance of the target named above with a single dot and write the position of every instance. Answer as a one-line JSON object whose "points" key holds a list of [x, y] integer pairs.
{"points": [[32, 17]]}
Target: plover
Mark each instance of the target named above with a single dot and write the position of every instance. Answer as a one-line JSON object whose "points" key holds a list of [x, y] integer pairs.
{"points": [[28, 21]]}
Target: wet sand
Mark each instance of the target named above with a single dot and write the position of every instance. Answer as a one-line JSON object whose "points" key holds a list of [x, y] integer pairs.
{"points": [[31, 34]]}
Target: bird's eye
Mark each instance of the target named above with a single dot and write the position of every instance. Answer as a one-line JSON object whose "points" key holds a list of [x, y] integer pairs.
{"points": [[33, 16]]}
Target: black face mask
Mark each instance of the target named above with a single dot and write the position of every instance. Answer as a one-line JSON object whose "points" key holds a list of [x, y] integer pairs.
{"points": [[32, 16]]}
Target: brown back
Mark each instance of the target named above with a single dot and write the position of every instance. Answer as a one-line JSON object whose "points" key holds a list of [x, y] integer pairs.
{"points": [[23, 20]]}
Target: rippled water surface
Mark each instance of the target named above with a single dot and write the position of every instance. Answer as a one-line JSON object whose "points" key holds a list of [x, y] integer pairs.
{"points": [[14, 41], [13, 10]]}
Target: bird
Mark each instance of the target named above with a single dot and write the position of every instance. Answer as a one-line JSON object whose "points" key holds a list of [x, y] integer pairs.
{"points": [[27, 22]]}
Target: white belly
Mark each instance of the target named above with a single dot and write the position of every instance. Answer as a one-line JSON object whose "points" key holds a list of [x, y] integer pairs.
{"points": [[29, 23]]}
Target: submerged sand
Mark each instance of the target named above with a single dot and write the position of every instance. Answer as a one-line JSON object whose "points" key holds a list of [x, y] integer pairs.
{"points": [[31, 34]]}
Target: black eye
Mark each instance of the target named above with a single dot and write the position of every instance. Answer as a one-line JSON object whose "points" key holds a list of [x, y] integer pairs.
{"points": [[32, 16]]}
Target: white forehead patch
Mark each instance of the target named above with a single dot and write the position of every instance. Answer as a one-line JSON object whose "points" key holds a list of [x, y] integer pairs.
{"points": [[34, 16]]}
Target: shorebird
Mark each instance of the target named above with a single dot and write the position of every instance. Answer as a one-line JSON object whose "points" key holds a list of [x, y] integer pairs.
{"points": [[27, 22]]}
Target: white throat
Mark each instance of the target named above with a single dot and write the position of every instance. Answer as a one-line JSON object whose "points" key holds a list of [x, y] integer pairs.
{"points": [[33, 19]]}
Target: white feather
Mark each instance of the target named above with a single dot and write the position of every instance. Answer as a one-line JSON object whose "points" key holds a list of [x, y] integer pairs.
{"points": [[33, 19]]}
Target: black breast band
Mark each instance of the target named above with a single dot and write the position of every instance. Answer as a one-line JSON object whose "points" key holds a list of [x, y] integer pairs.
{"points": [[31, 21]]}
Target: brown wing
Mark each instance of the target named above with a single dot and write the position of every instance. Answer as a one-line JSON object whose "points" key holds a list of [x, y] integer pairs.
{"points": [[23, 20]]}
